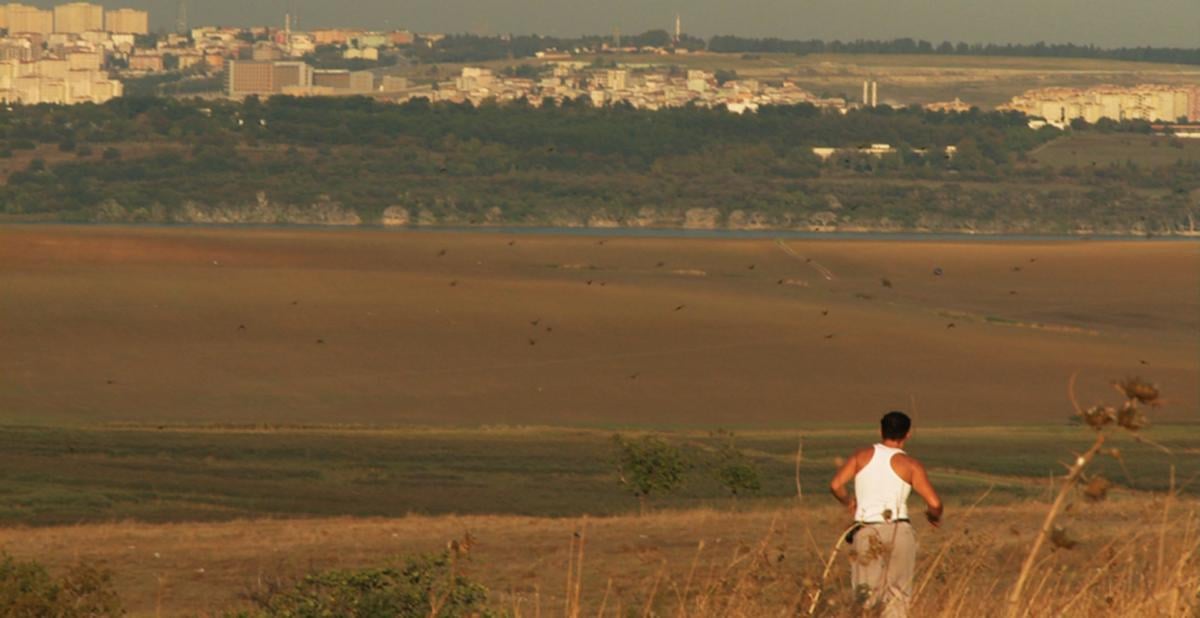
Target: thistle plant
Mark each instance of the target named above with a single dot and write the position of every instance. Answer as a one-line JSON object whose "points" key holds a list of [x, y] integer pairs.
{"points": [[1130, 417]]}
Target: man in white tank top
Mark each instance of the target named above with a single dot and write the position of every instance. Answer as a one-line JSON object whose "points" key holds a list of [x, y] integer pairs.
{"points": [[884, 553]]}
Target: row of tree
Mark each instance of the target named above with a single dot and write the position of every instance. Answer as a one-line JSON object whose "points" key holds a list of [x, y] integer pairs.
{"points": [[520, 164], [474, 48]]}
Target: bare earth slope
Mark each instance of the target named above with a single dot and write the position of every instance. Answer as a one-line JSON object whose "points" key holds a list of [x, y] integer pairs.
{"points": [[316, 326]]}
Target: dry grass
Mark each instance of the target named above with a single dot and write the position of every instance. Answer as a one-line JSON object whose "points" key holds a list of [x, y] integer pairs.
{"points": [[1136, 556]]}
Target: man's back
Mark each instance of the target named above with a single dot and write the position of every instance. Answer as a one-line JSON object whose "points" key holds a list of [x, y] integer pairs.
{"points": [[884, 476]]}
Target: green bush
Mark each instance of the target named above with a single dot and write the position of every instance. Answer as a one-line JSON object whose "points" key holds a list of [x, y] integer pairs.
{"points": [[648, 465], [423, 586], [28, 590], [734, 470]]}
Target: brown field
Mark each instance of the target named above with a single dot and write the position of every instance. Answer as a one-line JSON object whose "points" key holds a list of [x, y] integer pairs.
{"points": [[754, 563], [144, 325]]}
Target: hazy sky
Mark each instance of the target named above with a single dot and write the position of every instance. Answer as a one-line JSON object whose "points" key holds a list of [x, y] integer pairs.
{"points": [[1103, 22]]}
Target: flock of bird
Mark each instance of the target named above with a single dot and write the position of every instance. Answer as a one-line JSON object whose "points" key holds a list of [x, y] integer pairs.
{"points": [[537, 323]]}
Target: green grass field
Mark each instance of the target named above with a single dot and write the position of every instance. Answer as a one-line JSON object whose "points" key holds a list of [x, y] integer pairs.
{"points": [[1101, 149], [64, 476]]}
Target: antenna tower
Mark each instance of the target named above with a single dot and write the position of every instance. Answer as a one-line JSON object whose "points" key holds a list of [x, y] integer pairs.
{"points": [[181, 17]]}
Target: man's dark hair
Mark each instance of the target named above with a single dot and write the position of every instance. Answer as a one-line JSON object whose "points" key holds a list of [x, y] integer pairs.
{"points": [[894, 425]]}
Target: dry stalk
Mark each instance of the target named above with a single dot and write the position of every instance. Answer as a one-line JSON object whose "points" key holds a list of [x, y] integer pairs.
{"points": [[841, 540], [946, 545], [604, 600], [799, 458], [1014, 597], [1162, 532]]}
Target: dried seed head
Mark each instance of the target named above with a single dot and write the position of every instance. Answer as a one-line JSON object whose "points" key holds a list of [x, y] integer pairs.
{"points": [[1139, 389], [1130, 417], [1099, 416], [1097, 488], [1059, 537]]}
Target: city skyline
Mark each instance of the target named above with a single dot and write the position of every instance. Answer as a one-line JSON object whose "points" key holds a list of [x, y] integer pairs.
{"points": [[1107, 23]]}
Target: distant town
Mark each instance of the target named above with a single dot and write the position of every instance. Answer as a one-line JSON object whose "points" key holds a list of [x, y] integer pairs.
{"points": [[82, 53]]}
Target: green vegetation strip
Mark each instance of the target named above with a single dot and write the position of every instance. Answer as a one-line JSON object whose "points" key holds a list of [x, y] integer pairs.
{"points": [[355, 161], [68, 475]]}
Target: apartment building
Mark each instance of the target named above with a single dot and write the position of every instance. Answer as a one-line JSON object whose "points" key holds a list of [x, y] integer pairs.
{"points": [[78, 17]]}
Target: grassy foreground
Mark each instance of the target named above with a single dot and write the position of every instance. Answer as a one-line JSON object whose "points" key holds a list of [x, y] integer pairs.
{"points": [[1128, 557], [57, 476]]}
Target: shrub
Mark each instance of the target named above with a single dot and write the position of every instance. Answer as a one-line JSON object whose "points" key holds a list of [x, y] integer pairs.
{"points": [[27, 589], [734, 470], [423, 586], [649, 465]]}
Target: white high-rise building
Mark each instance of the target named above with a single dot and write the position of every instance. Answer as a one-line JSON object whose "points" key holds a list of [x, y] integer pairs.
{"points": [[77, 17]]}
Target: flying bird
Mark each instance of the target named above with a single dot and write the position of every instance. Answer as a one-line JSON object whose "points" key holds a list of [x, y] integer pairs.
{"points": [[825, 312], [549, 329], [635, 376], [885, 282], [1032, 260], [532, 341], [321, 341], [660, 264], [830, 335], [1016, 269], [601, 242], [680, 307], [1144, 362], [110, 382], [950, 325], [535, 322], [1012, 292], [454, 283], [295, 302], [241, 327], [750, 267], [937, 272], [442, 253], [512, 242]]}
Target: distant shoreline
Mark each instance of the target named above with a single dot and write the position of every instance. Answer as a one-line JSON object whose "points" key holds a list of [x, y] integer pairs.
{"points": [[640, 232]]}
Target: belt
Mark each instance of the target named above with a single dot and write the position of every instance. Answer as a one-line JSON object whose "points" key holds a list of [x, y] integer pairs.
{"points": [[894, 521]]}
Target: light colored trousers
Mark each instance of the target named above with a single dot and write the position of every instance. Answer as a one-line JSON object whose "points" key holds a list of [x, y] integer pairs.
{"points": [[882, 564]]}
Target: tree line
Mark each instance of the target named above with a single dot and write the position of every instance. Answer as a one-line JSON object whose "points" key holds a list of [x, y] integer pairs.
{"points": [[570, 162], [474, 48]]}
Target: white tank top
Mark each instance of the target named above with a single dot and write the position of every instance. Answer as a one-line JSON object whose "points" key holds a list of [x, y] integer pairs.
{"points": [[877, 488]]}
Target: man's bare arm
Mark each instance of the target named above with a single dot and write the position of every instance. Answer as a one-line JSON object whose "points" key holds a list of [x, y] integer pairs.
{"points": [[844, 475], [924, 488]]}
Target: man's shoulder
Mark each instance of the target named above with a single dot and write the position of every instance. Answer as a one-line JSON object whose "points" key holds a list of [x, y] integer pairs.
{"points": [[863, 455], [907, 461]]}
